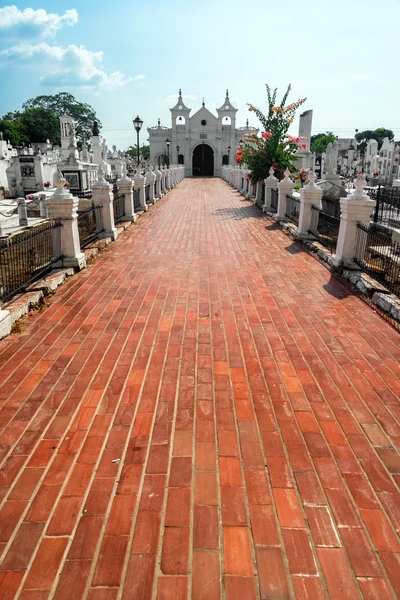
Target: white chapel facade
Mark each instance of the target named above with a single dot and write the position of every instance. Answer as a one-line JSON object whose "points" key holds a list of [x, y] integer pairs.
{"points": [[202, 142]]}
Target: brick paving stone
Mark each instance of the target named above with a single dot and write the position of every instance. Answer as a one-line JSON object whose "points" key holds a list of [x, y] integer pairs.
{"points": [[205, 412]]}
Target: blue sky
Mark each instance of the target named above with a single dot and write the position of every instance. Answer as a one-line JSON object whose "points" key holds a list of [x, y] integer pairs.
{"points": [[129, 57]]}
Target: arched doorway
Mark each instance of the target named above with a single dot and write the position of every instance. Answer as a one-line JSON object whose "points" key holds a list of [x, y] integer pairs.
{"points": [[162, 160], [203, 161]]}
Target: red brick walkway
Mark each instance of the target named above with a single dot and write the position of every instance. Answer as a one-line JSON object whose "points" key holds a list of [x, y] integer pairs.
{"points": [[202, 414]]}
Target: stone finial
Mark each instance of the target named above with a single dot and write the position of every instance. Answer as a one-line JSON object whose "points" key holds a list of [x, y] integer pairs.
{"points": [[360, 182], [180, 93], [247, 123], [203, 103], [359, 185], [60, 183], [287, 173], [272, 175], [95, 130], [159, 122], [59, 180], [100, 174], [311, 180], [227, 93]]}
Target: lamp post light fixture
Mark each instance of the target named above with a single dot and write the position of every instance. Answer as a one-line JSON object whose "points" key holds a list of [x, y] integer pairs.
{"points": [[138, 126], [229, 151], [177, 155], [168, 143]]}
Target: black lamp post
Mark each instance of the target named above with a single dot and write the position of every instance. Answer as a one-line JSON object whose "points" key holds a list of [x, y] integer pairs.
{"points": [[229, 151], [138, 126], [177, 154], [168, 145]]}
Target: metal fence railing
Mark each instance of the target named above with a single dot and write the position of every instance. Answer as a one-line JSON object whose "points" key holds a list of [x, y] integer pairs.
{"points": [[26, 256], [325, 227], [90, 224], [292, 208], [387, 209], [331, 207], [378, 255], [136, 201], [119, 208]]}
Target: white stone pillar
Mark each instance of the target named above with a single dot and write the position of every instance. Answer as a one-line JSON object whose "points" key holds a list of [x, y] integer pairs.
{"points": [[235, 179], [63, 205], [103, 196], [158, 175], [42, 205], [140, 184], [310, 195], [5, 323], [356, 207], [239, 179], [125, 186], [271, 183], [167, 179], [163, 177], [151, 180], [285, 188], [243, 185], [22, 212]]}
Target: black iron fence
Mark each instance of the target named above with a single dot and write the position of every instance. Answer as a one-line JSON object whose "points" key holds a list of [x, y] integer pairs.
{"points": [[325, 227], [292, 208], [26, 256], [387, 210], [274, 200], [136, 200], [378, 255], [119, 208], [90, 224]]}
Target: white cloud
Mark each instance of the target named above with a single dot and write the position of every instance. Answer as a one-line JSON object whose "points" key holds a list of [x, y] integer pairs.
{"points": [[32, 23], [65, 66], [173, 98]]}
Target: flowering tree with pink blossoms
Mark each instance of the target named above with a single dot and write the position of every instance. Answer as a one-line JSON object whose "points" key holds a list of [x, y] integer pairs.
{"points": [[275, 148]]}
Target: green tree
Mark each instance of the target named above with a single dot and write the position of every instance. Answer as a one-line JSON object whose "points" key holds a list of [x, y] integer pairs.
{"points": [[12, 131], [377, 134], [320, 141], [144, 151], [39, 124], [65, 103], [275, 148]]}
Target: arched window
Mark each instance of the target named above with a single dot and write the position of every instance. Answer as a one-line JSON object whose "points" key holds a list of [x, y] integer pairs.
{"points": [[180, 120], [226, 121], [225, 159], [181, 159]]}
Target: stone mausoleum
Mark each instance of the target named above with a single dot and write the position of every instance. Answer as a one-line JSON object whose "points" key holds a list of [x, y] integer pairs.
{"points": [[202, 142]]}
